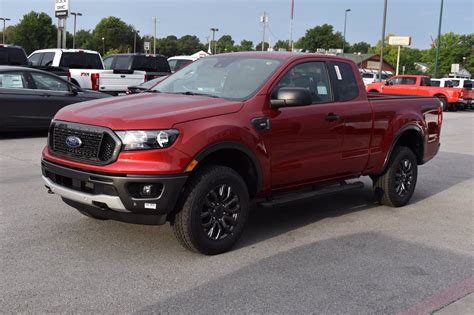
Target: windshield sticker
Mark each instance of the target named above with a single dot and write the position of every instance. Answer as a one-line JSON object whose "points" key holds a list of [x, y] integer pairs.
{"points": [[338, 72]]}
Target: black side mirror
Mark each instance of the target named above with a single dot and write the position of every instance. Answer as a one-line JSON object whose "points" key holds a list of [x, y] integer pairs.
{"points": [[291, 96], [74, 90]]}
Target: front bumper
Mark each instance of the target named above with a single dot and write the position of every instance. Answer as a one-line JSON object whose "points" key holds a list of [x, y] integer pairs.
{"points": [[114, 196]]}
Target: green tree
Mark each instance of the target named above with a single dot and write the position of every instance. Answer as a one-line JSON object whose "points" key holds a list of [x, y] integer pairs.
{"points": [[84, 39], [225, 44], [259, 46], [167, 46], [116, 33], [188, 45], [34, 31], [360, 47], [322, 36], [452, 50], [246, 45], [283, 44]]}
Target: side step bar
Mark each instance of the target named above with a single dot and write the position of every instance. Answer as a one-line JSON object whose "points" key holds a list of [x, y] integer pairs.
{"points": [[289, 198]]}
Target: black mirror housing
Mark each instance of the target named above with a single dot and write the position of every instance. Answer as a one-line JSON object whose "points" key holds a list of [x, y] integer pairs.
{"points": [[291, 96]]}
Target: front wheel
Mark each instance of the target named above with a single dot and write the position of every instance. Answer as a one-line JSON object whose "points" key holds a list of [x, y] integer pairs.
{"points": [[213, 211], [396, 186]]}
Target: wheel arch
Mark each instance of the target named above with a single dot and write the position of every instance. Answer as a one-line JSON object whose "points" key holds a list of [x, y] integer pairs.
{"points": [[410, 136], [236, 156]]}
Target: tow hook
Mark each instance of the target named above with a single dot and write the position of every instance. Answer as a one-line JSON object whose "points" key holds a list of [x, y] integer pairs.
{"points": [[49, 190]]}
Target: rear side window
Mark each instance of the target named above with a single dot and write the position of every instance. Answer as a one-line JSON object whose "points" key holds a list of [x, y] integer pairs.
{"points": [[80, 60], [12, 80], [368, 76], [468, 84], [151, 64], [47, 59], [343, 81]]}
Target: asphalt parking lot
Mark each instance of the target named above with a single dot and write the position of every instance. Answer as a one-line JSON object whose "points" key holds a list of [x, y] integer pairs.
{"points": [[334, 255]]}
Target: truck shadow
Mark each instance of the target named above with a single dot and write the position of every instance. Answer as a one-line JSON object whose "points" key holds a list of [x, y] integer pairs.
{"points": [[363, 273], [438, 175]]}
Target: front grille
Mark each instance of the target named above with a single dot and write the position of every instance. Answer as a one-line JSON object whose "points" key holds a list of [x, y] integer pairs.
{"points": [[98, 144]]}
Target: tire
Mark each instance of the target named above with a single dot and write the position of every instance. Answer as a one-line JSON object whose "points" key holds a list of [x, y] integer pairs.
{"points": [[212, 211], [445, 103], [396, 185]]}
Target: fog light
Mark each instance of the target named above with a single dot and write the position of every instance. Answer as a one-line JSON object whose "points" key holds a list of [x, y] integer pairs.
{"points": [[148, 190]]}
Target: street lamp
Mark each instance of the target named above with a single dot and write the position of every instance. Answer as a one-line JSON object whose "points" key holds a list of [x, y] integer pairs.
{"points": [[135, 41], [384, 22], [103, 46], [214, 30], [344, 36], [76, 14], [4, 21]]}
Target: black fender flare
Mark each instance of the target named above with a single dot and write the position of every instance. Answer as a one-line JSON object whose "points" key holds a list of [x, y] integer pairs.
{"points": [[400, 133], [235, 146]]}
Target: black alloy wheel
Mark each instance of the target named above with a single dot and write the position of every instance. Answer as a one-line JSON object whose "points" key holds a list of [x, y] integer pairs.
{"points": [[220, 213]]}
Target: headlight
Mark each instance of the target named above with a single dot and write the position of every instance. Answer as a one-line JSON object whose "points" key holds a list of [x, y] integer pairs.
{"points": [[147, 139]]}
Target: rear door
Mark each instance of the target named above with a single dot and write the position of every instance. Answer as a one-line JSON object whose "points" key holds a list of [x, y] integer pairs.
{"points": [[306, 141]]}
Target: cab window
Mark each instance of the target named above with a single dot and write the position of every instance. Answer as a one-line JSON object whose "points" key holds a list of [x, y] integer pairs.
{"points": [[309, 75]]}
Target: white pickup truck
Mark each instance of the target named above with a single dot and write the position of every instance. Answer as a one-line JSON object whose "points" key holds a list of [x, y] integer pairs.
{"points": [[86, 69]]}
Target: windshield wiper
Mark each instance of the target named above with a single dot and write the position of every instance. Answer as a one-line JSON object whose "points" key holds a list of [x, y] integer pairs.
{"points": [[151, 91], [194, 93]]}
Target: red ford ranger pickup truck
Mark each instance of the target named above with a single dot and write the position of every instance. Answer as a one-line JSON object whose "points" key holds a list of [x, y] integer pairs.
{"points": [[274, 128], [452, 98]]}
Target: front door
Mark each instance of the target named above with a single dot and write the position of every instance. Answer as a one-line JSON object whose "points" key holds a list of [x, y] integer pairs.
{"points": [[306, 141]]}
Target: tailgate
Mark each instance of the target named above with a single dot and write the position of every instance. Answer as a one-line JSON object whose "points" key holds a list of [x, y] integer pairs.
{"points": [[118, 82], [467, 94]]}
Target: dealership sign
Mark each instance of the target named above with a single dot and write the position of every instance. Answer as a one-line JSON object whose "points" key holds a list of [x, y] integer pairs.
{"points": [[61, 8], [399, 40]]}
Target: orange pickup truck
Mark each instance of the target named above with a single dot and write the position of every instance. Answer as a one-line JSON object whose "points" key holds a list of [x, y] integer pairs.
{"points": [[419, 85]]}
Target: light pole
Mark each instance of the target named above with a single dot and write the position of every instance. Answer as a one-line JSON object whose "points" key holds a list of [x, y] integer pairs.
{"points": [[383, 39], [438, 44], [154, 35], [214, 30], [4, 21], [135, 41], [103, 46], [344, 36], [76, 14]]}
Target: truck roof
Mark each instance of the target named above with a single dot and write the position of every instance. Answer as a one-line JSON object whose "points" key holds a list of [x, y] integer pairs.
{"points": [[65, 50], [284, 55]]}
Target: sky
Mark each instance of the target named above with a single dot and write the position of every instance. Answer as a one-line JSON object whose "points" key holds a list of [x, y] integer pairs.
{"points": [[240, 18]]}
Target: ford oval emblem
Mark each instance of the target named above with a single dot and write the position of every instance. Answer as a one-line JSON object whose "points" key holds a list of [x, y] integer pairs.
{"points": [[73, 142]]}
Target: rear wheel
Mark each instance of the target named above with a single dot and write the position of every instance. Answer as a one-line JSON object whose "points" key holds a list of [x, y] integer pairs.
{"points": [[396, 186], [213, 211]]}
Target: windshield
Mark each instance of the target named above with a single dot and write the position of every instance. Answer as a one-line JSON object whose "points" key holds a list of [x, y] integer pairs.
{"points": [[226, 76]]}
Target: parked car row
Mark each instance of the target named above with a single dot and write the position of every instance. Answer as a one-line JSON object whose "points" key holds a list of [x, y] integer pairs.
{"points": [[452, 98]]}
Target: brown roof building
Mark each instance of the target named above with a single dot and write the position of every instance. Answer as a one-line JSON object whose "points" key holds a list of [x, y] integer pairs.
{"points": [[369, 62]]}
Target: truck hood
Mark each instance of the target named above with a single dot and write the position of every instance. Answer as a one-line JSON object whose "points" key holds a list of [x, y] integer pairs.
{"points": [[146, 111]]}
